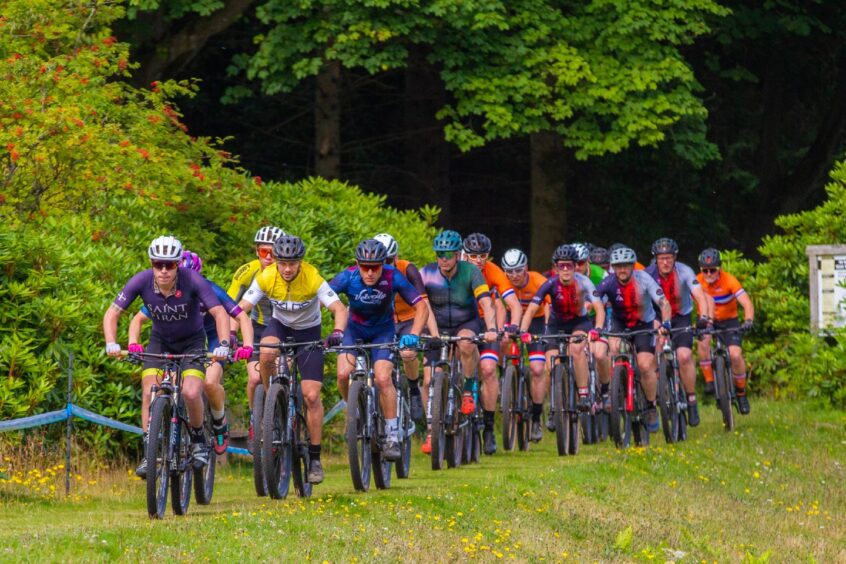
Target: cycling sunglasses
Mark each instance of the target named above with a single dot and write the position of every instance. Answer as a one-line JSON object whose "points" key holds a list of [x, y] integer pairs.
{"points": [[445, 254], [709, 270], [164, 264], [264, 252], [369, 266]]}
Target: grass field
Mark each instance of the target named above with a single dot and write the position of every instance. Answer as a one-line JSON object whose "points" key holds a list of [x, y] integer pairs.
{"points": [[773, 490]]}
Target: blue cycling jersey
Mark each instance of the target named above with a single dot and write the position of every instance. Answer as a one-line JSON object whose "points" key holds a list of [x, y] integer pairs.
{"points": [[374, 305]]}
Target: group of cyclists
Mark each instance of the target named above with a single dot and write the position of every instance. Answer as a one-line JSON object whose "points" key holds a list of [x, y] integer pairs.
{"points": [[588, 291]]}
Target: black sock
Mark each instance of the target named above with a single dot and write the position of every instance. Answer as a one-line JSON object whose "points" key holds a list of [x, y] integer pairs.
{"points": [[314, 452], [537, 411], [488, 418]]}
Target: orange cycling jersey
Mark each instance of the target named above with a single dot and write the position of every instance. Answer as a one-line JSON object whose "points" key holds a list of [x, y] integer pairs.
{"points": [[497, 282], [527, 292], [725, 292], [403, 311]]}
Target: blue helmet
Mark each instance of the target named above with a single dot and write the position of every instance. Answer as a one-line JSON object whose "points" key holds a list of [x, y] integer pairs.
{"points": [[447, 240]]}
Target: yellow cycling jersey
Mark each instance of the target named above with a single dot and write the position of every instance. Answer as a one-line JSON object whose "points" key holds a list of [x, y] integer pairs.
{"points": [[241, 282], [296, 304]]}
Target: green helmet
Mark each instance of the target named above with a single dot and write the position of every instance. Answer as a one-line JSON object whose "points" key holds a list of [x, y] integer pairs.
{"points": [[447, 240]]}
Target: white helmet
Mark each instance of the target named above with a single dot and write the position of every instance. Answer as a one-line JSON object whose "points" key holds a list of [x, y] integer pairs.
{"points": [[267, 235], [514, 259], [166, 247], [623, 255], [582, 252], [389, 242]]}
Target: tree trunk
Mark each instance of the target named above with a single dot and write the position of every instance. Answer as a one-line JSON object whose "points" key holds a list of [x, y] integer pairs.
{"points": [[426, 150], [548, 202], [327, 121], [174, 49]]}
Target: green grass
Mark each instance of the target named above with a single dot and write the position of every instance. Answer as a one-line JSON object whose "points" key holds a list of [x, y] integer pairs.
{"points": [[774, 489]]}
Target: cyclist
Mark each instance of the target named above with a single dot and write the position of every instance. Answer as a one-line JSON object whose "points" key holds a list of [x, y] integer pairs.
{"points": [[296, 290], [371, 286], [261, 314], [569, 294], [476, 249], [632, 294], [526, 284], [404, 319], [726, 292], [214, 372], [584, 265], [456, 289], [174, 297], [679, 283]]}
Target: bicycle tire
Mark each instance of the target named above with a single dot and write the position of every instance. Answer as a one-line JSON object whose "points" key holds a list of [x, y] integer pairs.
{"points": [[508, 403], [358, 442], [666, 399], [259, 481], [204, 478], [301, 458], [559, 419], [619, 420], [158, 445], [439, 401], [722, 377], [524, 411], [180, 482], [277, 451], [406, 427]]}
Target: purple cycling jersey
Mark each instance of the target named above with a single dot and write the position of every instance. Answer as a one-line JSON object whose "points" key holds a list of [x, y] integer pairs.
{"points": [[374, 305], [175, 317]]}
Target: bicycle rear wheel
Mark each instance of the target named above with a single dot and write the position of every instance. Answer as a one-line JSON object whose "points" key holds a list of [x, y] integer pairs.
{"points": [[509, 403], [301, 457], [158, 446], [180, 483], [357, 437], [666, 399], [723, 383], [204, 478], [439, 404], [558, 398], [277, 451], [259, 481]]}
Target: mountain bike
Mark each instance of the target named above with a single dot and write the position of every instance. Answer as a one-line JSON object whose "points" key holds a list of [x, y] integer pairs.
{"points": [[365, 428], [563, 393], [169, 460], [516, 399], [672, 399], [444, 405], [284, 431], [628, 402]]}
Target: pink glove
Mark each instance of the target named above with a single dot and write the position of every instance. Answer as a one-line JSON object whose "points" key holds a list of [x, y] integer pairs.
{"points": [[243, 353], [526, 337], [593, 334], [135, 348]]}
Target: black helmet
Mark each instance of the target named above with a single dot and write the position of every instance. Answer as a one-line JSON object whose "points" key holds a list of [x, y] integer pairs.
{"points": [[599, 255], [664, 245], [288, 247], [371, 250], [477, 243], [565, 252], [710, 257]]}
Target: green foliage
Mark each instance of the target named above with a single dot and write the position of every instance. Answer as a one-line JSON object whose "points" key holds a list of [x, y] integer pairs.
{"points": [[605, 74], [93, 169], [785, 356]]}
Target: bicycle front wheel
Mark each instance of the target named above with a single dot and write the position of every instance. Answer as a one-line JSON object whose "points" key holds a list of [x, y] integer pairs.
{"points": [[259, 481], [557, 396], [276, 450], [158, 446], [180, 484], [509, 403], [723, 383], [204, 478], [357, 436]]}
